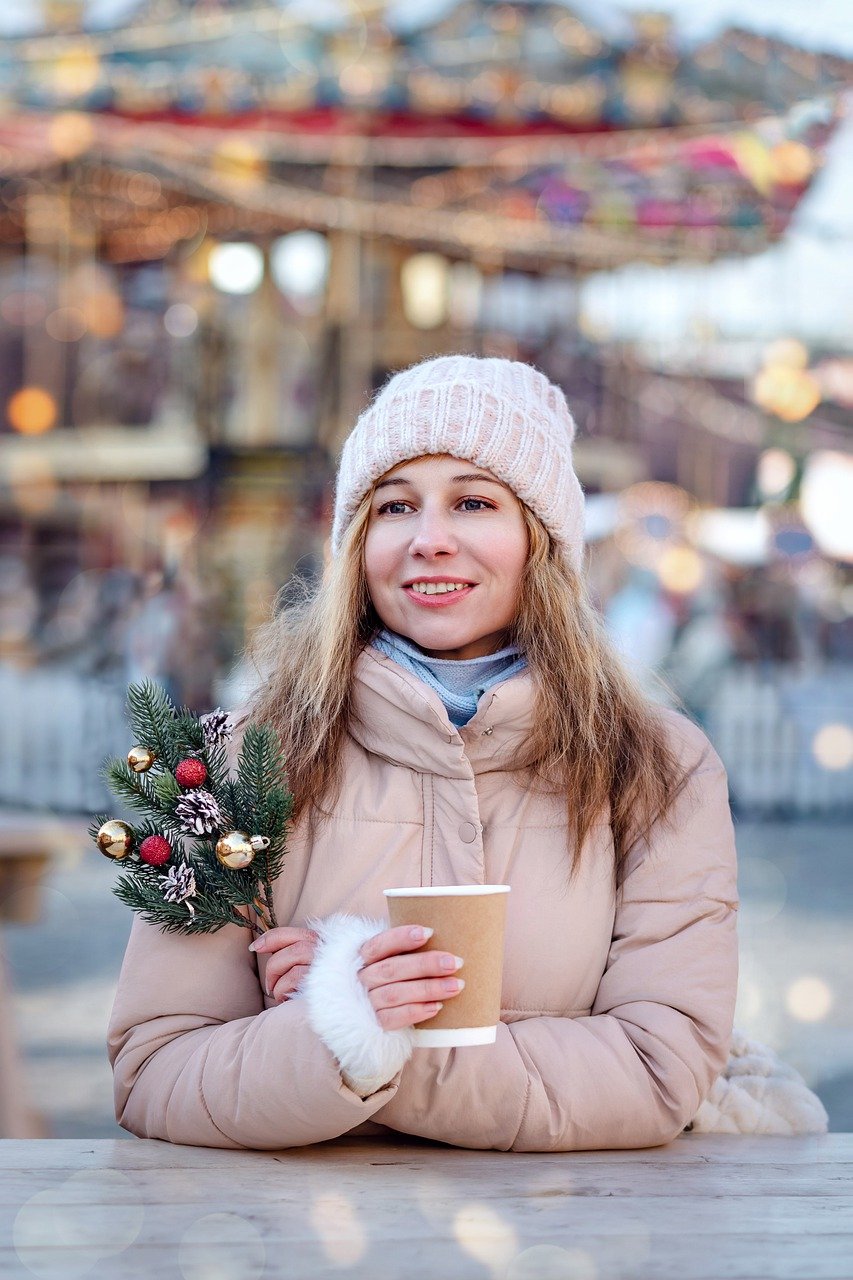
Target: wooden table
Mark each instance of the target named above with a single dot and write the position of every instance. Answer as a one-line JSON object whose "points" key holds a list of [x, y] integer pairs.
{"points": [[701, 1208]]}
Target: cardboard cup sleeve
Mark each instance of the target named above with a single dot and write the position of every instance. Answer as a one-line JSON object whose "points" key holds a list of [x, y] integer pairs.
{"points": [[469, 921]]}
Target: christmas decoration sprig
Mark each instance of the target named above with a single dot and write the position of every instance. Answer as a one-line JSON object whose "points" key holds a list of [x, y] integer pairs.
{"points": [[209, 843]]}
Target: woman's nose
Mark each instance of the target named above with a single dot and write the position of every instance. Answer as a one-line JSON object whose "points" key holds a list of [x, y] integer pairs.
{"points": [[433, 536]]}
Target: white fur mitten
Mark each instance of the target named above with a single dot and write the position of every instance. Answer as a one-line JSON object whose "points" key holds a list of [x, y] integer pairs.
{"points": [[759, 1093], [339, 1008]]}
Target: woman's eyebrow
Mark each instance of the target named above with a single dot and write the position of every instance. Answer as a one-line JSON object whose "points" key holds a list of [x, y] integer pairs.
{"points": [[468, 478]]}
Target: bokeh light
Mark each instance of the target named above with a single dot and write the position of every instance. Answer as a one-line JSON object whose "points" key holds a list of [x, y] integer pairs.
{"points": [[826, 502], [180, 320], [241, 159], [57, 1237], [789, 352], [808, 999], [236, 267], [681, 570], [424, 281], [103, 313], [299, 264], [32, 411], [66, 324], [75, 71], [775, 472], [211, 1247], [484, 1235], [341, 1233], [790, 394], [832, 746], [70, 134], [650, 518]]}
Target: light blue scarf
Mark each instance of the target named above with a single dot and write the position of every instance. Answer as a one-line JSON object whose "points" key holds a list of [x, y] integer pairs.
{"points": [[459, 682]]}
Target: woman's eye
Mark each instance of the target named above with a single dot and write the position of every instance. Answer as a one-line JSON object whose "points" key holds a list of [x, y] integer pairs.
{"points": [[386, 505], [480, 502]]}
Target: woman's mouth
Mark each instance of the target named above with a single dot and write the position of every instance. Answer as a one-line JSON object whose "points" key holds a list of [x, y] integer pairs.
{"points": [[439, 595]]}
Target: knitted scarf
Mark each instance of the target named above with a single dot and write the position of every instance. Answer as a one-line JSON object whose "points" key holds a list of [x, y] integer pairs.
{"points": [[459, 682]]}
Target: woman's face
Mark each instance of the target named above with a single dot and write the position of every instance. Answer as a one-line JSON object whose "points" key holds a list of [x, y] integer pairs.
{"points": [[441, 520]]}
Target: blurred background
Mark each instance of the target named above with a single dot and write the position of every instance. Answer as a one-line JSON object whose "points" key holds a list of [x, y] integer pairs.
{"points": [[223, 224]]}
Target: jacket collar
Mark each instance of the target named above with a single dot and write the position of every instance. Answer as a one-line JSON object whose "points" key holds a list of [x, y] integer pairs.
{"points": [[399, 718]]}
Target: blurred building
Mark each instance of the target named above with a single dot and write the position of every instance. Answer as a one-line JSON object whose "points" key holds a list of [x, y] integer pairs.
{"points": [[222, 227]]}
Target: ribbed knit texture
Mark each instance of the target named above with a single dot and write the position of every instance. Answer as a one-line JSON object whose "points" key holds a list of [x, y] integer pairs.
{"points": [[459, 682], [503, 415]]}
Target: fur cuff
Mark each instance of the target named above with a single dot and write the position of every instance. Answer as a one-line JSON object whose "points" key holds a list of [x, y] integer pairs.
{"points": [[339, 1008], [759, 1093]]}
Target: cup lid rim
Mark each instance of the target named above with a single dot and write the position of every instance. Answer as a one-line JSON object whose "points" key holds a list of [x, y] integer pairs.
{"points": [[438, 890]]}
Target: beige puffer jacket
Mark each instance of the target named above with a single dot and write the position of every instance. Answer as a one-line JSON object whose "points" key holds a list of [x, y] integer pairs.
{"points": [[617, 1009]]}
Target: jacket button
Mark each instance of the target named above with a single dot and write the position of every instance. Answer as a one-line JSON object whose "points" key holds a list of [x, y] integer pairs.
{"points": [[490, 729], [468, 832]]}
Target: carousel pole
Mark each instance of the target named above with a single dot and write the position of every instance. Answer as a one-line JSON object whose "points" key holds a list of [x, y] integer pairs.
{"points": [[345, 375]]}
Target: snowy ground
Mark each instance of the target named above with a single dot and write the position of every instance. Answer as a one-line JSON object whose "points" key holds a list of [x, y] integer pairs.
{"points": [[796, 883]]}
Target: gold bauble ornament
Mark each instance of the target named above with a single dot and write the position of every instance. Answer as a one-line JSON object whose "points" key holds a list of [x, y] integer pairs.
{"points": [[234, 850], [115, 839], [140, 759]]}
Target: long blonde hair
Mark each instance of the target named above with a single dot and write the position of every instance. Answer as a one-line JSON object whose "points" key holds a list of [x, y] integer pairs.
{"points": [[597, 738]]}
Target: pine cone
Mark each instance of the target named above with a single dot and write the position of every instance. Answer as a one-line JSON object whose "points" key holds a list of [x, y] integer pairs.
{"points": [[179, 883], [218, 727], [198, 813]]}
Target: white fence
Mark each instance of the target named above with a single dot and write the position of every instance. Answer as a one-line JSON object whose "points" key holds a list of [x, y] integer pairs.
{"points": [[765, 722], [56, 729]]}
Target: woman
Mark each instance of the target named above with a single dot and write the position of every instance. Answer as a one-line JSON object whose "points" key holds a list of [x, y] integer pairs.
{"points": [[452, 713]]}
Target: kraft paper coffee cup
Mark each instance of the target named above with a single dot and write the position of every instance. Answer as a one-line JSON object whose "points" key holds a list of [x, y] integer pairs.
{"points": [[469, 921]]}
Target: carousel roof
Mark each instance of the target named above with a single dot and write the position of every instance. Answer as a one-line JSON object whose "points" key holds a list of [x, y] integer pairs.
{"points": [[541, 130]]}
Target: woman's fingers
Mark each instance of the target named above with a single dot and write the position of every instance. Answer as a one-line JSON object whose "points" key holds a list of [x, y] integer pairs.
{"points": [[405, 968], [297, 955], [427, 991], [282, 936], [392, 941], [286, 985], [405, 1015]]}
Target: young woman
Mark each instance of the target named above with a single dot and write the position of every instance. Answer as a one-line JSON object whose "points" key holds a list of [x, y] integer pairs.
{"points": [[451, 713]]}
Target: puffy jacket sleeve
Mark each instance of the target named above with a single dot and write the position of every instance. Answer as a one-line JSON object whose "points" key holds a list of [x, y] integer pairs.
{"points": [[634, 1071], [197, 1059]]}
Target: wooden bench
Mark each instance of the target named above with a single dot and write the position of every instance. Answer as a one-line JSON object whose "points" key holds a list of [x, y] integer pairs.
{"points": [[701, 1208]]}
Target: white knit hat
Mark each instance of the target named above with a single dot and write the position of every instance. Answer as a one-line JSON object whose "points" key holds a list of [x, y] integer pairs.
{"points": [[501, 414]]}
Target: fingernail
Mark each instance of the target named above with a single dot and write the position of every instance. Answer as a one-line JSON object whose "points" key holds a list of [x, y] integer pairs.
{"points": [[256, 945], [420, 934]]}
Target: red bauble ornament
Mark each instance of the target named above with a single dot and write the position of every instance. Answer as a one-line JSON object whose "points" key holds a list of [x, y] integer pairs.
{"points": [[191, 773], [155, 850]]}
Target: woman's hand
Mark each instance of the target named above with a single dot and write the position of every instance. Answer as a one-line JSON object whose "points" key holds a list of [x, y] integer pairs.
{"points": [[294, 951], [406, 988]]}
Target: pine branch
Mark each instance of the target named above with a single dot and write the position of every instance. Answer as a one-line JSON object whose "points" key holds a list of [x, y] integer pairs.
{"points": [[152, 717], [255, 801], [146, 898], [129, 786]]}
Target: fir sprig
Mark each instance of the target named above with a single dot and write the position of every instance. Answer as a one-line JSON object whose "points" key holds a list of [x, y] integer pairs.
{"points": [[253, 799]]}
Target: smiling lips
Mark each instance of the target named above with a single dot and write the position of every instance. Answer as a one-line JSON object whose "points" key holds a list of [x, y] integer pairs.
{"points": [[434, 594]]}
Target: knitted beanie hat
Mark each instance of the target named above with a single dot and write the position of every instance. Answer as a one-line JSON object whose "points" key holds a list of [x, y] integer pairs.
{"points": [[501, 414]]}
